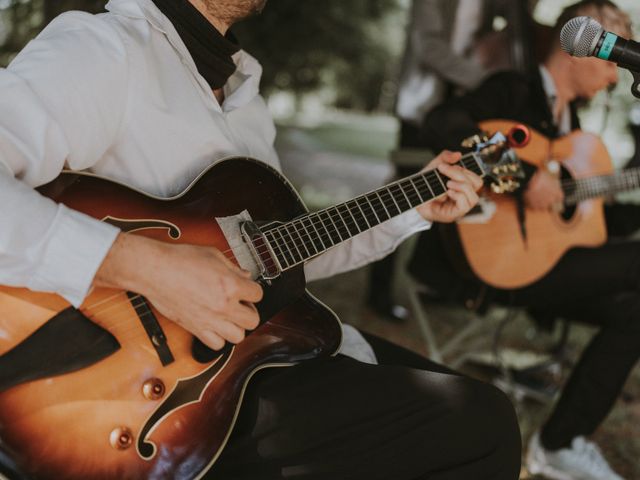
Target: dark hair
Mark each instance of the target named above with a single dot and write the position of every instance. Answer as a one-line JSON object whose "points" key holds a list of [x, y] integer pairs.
{"points": [[575, 10]]}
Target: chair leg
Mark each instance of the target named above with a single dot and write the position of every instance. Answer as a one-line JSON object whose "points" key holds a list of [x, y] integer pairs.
{"points": [[423, 322]]}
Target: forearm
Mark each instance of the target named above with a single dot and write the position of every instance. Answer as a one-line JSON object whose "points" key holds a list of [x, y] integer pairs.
{"points": [[366, 247], [48, 247]]}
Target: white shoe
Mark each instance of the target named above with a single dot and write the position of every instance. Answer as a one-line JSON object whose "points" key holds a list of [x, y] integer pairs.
{"points": [[583, 461]]}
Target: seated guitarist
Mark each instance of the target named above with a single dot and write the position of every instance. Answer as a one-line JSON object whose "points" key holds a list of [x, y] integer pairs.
{"points": [[600, 286], [149, 94]]}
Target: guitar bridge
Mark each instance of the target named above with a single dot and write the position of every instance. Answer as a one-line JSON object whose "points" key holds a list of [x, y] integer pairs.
{"points": [[261, 250]]}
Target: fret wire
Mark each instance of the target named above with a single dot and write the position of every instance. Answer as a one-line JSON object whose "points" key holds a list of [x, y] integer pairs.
{"points": [[331, 218], [353, 225], [409, 202], [384, 206], [398, 199], [339, 223], [410, 191], [358, 211], [426, 182], [288, 258], [335, 228], [329, 237], [289, 243], [313, 238], [304, 234], [442, 183], [293, 241], [355, 222], [307, 235], [435, 184], [424, 189], [304, 243], [274, 246], [363, 214], [324, 247], [342, 221], [422, 200], [369, 206], [393, 199]]}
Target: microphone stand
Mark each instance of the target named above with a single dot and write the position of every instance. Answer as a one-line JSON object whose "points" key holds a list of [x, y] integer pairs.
{"points": [[635, 88]]}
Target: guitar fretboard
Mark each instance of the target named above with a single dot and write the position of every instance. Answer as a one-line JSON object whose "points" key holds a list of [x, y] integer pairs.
{"points": [[306, 237], [601, 185]]}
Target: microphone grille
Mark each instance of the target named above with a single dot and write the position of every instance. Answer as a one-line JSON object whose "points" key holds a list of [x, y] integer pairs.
{"points": [[580, 36]]}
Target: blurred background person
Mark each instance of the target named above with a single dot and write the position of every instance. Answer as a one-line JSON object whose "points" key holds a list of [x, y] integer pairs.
{"points": [[451, 46]]}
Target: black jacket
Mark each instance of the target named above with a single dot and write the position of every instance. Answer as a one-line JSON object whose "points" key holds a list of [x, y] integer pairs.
{"points": [[438, 260]]}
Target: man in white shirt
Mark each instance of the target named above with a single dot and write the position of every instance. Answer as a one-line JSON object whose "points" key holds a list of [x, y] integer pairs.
{"points": [[149, 95]]}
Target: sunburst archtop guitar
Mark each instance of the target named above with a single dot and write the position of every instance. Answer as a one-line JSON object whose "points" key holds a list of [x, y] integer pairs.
{"points": [[115, 391]]}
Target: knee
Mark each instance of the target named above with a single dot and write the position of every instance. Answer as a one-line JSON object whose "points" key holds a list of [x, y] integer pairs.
{"points": [[491, 410], [488, 417]]}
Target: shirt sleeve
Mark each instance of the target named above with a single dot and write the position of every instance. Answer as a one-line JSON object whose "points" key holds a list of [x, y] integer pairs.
{"points": [[62, 101], [366, 247]]}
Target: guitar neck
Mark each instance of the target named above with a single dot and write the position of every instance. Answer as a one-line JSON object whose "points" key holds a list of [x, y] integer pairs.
{"points": [[309, 236], [601, 185]]}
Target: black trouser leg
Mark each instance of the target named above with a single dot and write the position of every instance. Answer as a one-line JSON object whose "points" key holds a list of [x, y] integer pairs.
{"points": [[600, 286], [381, 283], [599, 376], [342, 419]]}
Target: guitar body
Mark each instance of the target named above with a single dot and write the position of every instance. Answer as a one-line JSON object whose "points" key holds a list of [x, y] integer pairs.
{"points": [[497, 252], [128, 416]]}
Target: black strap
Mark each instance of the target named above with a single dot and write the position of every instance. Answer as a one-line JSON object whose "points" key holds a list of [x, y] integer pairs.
{"points": [[152, 327]]}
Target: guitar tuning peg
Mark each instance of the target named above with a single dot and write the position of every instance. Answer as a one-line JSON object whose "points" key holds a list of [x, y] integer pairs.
{"points": [[475, 140], [497, 188]]}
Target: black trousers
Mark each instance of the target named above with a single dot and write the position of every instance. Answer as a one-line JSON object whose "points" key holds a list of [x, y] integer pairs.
{"points": [[406, 419], [341, 419], [600, 286]]}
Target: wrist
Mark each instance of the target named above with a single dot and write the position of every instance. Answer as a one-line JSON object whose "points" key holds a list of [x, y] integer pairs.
{"points": [[124, 266]]}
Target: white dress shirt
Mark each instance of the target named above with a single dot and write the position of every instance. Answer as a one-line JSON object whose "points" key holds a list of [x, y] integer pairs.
{"points": [[119, 95], [549, 85]]}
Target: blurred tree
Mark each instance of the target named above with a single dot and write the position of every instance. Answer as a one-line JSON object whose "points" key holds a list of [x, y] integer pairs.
{"points": [[21, 20], [302, 45], [305, 45]]}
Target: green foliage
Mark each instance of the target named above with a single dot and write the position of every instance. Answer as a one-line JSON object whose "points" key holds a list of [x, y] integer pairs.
{"points": [[21, 20], [302, 45]]}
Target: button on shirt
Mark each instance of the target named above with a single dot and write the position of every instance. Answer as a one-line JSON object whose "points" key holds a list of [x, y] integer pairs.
{"points": [[119, 95]]}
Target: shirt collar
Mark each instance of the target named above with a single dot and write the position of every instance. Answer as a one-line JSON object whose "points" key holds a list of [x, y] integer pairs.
{"points": [[548, 84], [551, 91], [242, 86]]}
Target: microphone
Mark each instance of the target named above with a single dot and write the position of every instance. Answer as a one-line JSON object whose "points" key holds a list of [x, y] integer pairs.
{"points": [[585, 37]]}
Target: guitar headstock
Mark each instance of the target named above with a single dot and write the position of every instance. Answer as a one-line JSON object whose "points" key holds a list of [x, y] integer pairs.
{"points": [[497, 159]]}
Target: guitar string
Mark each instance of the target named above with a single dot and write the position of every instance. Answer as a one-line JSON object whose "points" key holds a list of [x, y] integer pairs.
{"points": [[130, 302], [601, 185], [335, 216], [324, 236]]}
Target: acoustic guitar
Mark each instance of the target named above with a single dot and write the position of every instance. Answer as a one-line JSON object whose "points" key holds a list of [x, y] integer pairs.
{"points": [[509, 249], [113, 390]]}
